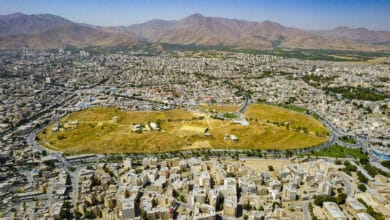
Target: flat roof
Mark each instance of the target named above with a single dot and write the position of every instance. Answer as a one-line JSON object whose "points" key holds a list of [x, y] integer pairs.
{"points": [[127, 204], [334, 210], [356, 205], [364, 216], [231, 201]]}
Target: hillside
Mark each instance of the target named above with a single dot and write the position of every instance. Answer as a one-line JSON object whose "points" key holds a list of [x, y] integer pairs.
{"points": [[109, 130], [362, 35], [50, 31], [200, 30]]}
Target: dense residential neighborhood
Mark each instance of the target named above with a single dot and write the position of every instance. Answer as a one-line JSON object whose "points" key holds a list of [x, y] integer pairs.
{"points": [[40, 86], [195, 110]]}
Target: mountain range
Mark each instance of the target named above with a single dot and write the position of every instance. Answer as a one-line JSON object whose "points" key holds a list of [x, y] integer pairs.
{"points": [[49, 31]]}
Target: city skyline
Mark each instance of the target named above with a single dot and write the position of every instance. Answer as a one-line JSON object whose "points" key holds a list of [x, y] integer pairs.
{"points": [[308, 15]]}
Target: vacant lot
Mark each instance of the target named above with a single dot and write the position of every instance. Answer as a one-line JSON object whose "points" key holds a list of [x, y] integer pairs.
{"points": [[109, 130]]}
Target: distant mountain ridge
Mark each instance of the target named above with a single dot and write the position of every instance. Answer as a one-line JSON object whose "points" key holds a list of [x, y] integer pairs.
{"points": [[358, 34], [200, 30], [47, 31]]}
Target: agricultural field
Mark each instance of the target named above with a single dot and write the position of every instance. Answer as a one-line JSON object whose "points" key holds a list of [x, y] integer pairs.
{"points": [[110, 130]]}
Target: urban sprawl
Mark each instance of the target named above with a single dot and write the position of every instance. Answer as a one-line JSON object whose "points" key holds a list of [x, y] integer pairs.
{"points": [[38, 87]]}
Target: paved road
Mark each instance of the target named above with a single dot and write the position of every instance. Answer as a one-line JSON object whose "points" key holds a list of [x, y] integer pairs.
{"points": [[361, 169], [357, 145], [305, 210], [334, 137], [30, 138], [64, 165], [50, 192], [245, 105], [31, 141], [380, 166], [30, 179], [75, 186], [338, 134]]}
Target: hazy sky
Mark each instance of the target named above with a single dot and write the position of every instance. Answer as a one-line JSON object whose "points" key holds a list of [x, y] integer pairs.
{"points": [[306, 14]]}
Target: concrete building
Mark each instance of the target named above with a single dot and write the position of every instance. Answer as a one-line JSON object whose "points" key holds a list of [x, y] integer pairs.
{"points": [[290, 194], [127, 163], [333, 212], [127, 210], [364, 216], [325, 188], [204, 212], [230, 206], [354, 206]]}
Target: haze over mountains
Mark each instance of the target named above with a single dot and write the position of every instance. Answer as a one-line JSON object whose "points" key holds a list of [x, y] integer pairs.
{"points": [[50, 31]]}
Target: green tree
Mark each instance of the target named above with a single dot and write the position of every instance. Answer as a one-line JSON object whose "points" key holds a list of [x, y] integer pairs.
{"points": [[362, 178], [89, 214], [247, 206], [144, 215], [77, 214], [318, 200], [341, 198], [289, 153], [364, 160], [386, 163], [362, 187]]}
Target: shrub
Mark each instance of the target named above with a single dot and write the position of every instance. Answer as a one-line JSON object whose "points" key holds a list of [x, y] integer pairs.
{"points": [[362, 187]]}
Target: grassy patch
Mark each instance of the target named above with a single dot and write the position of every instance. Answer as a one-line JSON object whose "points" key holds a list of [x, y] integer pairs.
{"points": [[373, 171], [294, 108], [386, 163], [348, 139], [340, 152], [350, 92], [300, 110], [296, 121], [371, 211], [219, 108], [229, 115]]}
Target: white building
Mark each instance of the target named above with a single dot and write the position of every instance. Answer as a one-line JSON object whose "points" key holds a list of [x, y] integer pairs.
{"points": [[230, 206], [127, 209], [333, 212], [325, 188], [127, 163]]}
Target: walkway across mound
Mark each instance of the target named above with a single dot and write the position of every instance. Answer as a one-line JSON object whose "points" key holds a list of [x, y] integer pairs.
{"points": [[109, 130]]}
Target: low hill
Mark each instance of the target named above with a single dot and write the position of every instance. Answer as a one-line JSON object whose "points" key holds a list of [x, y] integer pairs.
{"points": [[109, 130]]}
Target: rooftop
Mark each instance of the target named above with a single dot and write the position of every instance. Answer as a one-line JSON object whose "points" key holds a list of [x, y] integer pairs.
{"points": [[334, 210], [356, 205]]}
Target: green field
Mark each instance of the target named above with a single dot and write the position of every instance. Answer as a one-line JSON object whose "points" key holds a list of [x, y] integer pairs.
{"points": [[109, 130], [347, 139], [340, 152]]}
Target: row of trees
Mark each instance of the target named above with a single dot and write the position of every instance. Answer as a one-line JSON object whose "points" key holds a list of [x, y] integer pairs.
{"points": [[340, 199]]}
